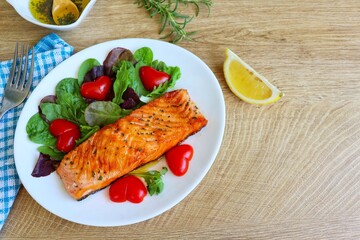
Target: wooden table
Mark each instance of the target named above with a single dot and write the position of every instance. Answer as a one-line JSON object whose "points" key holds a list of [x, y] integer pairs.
{"points": [[290, 170]]}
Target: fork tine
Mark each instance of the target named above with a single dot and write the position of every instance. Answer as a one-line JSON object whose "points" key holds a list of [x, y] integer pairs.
{"points": [[13, 67], [29, 80], [15, 94], [23, 67], [20, 67]]}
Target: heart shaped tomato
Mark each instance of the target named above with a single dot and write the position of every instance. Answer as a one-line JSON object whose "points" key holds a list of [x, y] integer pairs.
{"points": [[128, 188], [178, 159], [59, 126], [152, 78], [67, 141], [66, 133], [97, 89]]}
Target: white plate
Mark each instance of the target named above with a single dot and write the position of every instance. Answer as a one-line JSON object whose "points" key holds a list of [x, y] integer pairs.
{"points": [[97, 209]]}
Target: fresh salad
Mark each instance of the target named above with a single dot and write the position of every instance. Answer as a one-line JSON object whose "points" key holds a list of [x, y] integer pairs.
{"points": [[101, 94]]}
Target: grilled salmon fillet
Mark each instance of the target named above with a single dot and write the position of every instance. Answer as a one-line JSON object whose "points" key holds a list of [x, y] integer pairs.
{"points": [[143, 136]]}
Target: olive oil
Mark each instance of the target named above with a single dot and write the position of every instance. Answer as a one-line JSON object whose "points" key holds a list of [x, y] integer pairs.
{"points": [[41, 10]]}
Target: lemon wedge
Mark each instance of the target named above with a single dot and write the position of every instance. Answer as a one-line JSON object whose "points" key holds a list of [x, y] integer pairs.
{"points": [[246, 83]]}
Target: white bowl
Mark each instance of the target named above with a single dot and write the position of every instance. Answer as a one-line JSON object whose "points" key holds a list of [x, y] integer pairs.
{"points": [[22, 7]]}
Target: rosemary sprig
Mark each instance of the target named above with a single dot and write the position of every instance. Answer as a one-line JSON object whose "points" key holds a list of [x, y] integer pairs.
{"points": [[171, 17]]}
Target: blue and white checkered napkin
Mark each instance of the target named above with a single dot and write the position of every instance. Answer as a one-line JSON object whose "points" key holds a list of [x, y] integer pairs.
{"points": [[49, 51]]}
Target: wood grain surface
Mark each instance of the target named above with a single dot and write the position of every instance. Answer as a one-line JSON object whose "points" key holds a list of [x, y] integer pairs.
{"points": [[290, 170]]}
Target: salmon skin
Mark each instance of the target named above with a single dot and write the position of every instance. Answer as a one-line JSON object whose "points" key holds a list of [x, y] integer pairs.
{"points": [[118, 148]]}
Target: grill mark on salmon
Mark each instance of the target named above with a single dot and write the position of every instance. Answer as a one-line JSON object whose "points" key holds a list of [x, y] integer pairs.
{"points": [[143, 136]]}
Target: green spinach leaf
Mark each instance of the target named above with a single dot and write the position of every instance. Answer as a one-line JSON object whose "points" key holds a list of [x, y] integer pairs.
{"points": [[86, 66], [38, 131], [124, 78], [69, 98], [52, 111], [102, 113], [52, 152], [144, 54]]}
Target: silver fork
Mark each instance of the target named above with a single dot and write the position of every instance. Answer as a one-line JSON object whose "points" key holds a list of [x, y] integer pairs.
{"points": [[18, 84]]}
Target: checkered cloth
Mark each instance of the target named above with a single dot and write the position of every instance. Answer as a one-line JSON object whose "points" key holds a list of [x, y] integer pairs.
{"points": [[49, 51]]}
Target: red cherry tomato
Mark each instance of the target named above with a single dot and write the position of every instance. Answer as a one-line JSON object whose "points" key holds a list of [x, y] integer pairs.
{"points": [[59, 126], [67, 141], [128, 188], [66, 133], [152, 78], [97, 89], [178, 159]]}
